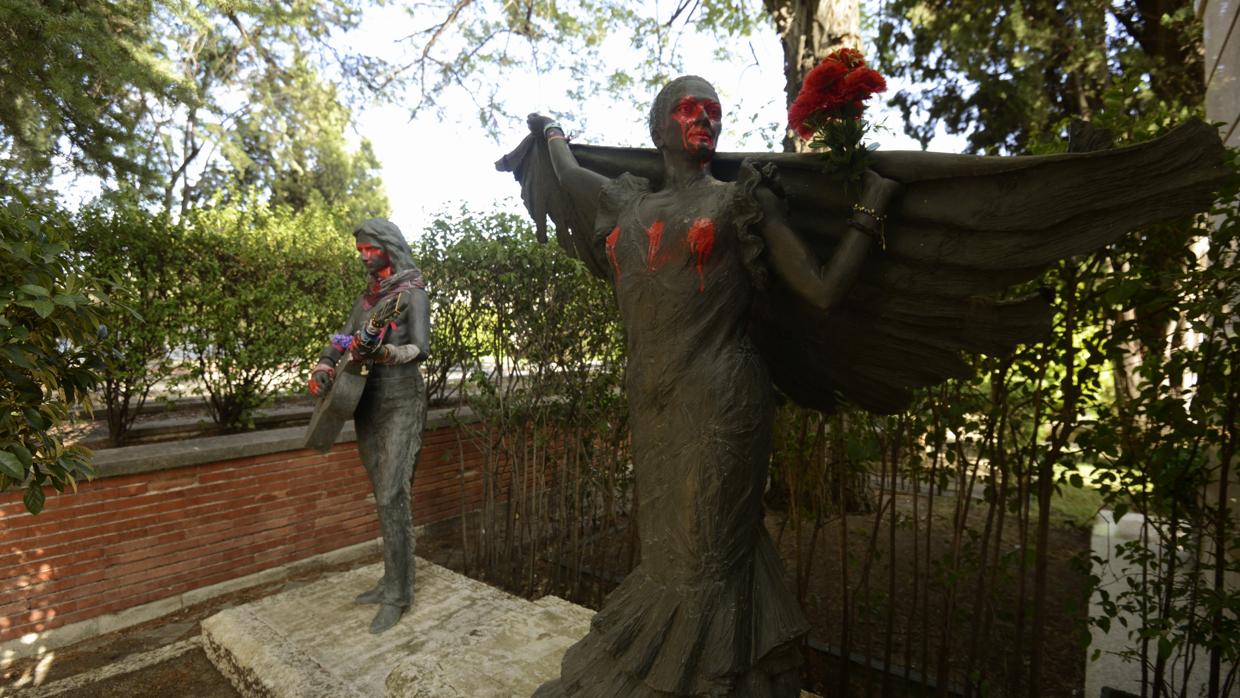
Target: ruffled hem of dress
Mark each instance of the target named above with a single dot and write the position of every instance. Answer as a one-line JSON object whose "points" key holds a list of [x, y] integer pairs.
{"points": [[738, 636], [748, 213]]}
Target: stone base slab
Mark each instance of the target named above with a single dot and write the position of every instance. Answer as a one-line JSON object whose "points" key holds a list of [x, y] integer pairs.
{"points": [[461, 638]]}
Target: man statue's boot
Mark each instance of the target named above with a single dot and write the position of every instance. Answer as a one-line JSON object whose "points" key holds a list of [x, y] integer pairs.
{"points": [[387, 616], [372, 595]]}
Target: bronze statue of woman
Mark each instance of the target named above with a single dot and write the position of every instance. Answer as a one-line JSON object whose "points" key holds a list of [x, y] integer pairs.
{"points": [[715, 262]]}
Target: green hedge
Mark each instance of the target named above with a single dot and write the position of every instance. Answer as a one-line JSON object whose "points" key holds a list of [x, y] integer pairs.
{"points": [[142, 255], [232, 303], [261, 291]]}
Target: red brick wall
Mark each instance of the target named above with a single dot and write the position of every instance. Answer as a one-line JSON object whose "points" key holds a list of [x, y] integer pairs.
{"points": [[123, 541]]}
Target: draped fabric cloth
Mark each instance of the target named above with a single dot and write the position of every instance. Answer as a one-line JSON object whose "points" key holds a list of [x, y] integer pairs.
{"points": [[964, 230]]}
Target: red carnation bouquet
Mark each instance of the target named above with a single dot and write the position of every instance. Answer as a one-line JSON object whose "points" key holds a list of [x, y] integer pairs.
{"points": [[828, 111]]}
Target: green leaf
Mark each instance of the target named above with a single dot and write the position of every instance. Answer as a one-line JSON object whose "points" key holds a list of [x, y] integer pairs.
{"points": [[22, 454], [43, 307], [36, 290], [1120, 509], [1164, 646], [34, 498], [17, 356], [36, 420], [11, 466]]}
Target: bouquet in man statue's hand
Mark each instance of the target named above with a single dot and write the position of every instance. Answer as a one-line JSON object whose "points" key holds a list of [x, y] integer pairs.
{"points": [[829, 110]]}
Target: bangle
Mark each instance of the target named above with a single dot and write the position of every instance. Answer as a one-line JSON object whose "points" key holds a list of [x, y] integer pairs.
{"points": [[557, 137], [869, 212], [552, 124], [875, 231]]}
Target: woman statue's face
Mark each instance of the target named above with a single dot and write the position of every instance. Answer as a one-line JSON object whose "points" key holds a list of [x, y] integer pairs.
{"points": [[694, 121], [373, 257]]}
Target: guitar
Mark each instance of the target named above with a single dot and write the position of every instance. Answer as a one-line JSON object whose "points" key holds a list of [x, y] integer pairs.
{"points": [[337, 403]]}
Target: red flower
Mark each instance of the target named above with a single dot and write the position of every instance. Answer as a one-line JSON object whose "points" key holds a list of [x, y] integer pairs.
{"points": [[835, 88], [824, 78], [850, 57], [862, 83]]}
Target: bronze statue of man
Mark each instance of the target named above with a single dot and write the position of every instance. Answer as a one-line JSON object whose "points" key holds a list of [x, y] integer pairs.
{"points": [[391, 412]]}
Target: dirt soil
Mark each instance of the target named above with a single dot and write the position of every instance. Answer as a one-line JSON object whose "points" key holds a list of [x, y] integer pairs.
{"points": [[919, 629]]}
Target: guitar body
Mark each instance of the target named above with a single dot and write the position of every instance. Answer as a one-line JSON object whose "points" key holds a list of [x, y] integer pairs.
{"points": [[336, 405]]}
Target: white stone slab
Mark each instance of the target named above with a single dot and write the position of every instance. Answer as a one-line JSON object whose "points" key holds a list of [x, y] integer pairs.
{"points": [[510, 656], [314, 642]]}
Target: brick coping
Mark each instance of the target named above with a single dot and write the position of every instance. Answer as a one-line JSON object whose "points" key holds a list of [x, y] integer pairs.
{"points": [[145, 458]]}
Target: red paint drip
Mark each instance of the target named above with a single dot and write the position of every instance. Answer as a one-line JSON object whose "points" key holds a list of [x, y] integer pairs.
{"points": [[654, 236], [612, 238], [701, 242]]}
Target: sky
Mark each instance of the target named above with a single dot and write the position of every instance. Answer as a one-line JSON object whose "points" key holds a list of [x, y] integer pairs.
{"points": [[432, 164], [436, 163]]}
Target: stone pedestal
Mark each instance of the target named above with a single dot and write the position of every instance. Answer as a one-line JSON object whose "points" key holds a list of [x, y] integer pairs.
{"points": [[461, 638], [509, 656]]}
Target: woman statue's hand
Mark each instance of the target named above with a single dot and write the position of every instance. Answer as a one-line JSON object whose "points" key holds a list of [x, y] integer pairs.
{"points": [[870, 212], [538, 124], [877, 191]]}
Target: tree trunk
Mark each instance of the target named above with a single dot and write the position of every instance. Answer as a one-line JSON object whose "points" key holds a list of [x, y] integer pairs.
{"points": [[808, 31]]}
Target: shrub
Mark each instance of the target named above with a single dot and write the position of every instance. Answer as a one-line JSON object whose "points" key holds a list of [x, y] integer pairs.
{"points": [[142, 255], [539, 343], [50, 316], [262, 290]]}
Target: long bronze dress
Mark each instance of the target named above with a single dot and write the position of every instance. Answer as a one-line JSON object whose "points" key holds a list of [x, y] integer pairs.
{"points": [[706, 612]]}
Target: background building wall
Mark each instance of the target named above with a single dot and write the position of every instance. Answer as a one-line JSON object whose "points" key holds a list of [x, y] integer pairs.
{"points": [[1222, 42]]}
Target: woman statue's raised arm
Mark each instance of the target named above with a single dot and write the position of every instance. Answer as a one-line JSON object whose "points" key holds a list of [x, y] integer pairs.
{"points": [[581, 185], [796, 263]]}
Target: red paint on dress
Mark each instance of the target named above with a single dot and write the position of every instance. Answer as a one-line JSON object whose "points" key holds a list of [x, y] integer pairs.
{"points": [[701, 241], [654, 238], [612, 238]]}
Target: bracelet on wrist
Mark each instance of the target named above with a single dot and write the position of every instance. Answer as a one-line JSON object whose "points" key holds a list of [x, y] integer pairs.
{"points": [[875, 230], [553, 126]]}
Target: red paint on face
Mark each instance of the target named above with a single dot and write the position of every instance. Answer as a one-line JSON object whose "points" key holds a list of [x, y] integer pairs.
{"points": [[654, 238], [377, 263], [701, 241], [612, 238], [699, 119]]}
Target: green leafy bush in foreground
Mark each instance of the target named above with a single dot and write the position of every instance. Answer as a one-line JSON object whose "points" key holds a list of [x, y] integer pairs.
{"points": [[48, 326]]}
